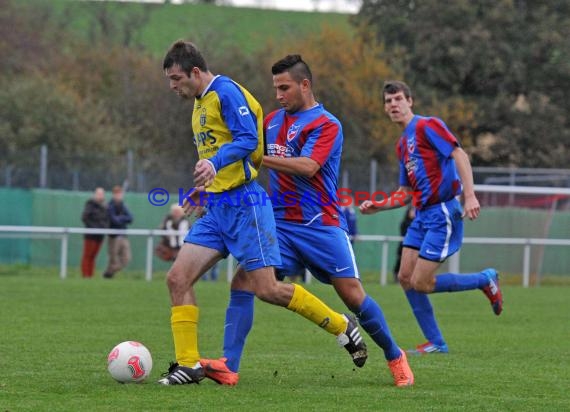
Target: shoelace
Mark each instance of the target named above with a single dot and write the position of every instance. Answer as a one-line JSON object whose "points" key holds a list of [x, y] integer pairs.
{"points": [[171, 367]]}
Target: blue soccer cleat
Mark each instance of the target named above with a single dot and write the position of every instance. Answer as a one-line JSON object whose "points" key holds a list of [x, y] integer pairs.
{"points": [[427, 348], [493, 291]]}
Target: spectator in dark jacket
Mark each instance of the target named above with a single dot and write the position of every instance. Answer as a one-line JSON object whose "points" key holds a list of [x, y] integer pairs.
{"points": [[94, 216], [119, 246]]}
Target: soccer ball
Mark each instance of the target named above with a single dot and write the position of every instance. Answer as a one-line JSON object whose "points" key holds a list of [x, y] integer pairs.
{"points": [[129, 362]]}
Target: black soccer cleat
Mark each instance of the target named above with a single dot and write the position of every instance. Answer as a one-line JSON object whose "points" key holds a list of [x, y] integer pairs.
{"points": [[182, 375], [353, 342]]}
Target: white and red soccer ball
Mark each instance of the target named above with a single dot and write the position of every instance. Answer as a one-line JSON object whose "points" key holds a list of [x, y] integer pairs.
{"points": [[129, 362]]}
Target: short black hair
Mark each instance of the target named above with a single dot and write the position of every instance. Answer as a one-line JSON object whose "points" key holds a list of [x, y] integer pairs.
{"points": [[395, 86], [186, 55], [295, 65]]}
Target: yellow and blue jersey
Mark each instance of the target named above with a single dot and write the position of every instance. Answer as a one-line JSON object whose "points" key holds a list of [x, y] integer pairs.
{"points": [[228, 124]]}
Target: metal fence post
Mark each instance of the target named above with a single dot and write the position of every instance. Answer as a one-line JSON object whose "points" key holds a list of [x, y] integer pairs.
{"points": [[384, 270], [526, 265], [149, 252], [373, 176], [345, 179], [63, 256], [130, 170], [454, 263], [43, 166], [230, 268], [75, 180]]}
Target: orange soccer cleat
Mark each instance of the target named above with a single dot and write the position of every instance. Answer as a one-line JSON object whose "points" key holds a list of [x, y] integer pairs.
{"points": [[403, 375], [218, 371]]}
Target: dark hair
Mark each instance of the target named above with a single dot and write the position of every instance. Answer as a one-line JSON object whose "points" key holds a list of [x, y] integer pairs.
{"points": [[395, 86], [186, 55], [297, 68]]}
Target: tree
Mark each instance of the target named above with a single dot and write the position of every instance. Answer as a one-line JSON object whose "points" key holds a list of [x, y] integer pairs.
{"points": [[38, 111], [347, 79], [132, 88], [27, 36], [114, 23], [492, 53], [348, 74], [88, 102]]}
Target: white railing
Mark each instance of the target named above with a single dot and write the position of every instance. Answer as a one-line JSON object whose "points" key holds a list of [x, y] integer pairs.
{"points": [[62, 233], [455, 259]]}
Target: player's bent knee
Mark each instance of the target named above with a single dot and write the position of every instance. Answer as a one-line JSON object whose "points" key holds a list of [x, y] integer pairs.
{"points": [[422, 286], [405, 280], [353, 302], [266, 295], [351, 292], [276, 293], [175, 279], [241, 282], [170, 280]]}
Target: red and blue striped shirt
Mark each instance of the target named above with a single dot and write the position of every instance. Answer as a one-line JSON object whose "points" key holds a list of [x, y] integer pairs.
{"points": [[316, 134], [426, 165]]}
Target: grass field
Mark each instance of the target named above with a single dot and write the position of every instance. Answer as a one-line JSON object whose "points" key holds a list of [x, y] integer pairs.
{"points": [[56, 335]]}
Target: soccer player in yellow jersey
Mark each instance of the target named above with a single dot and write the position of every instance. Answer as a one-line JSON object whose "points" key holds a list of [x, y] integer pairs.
{"points": [[228, 124]]}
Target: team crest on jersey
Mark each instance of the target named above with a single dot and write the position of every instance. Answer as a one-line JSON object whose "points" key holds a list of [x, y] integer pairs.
{"points": [[411, 145], [203, 117], [292, 132]]}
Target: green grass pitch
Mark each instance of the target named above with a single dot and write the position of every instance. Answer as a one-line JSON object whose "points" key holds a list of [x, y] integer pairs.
{"points": [[56, 336]]}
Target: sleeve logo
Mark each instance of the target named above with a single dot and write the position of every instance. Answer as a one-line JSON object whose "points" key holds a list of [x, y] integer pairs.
{"points": [[243, 110]]}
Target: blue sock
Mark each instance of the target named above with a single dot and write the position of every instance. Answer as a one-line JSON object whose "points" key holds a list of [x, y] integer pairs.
{"points": [[239, 318], [372, 320], [423, 311], [451, 282]]}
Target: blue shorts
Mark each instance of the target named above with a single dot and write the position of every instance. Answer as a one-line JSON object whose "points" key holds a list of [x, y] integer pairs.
{"points": [[324, 250], [244, 227], [436, 231]]}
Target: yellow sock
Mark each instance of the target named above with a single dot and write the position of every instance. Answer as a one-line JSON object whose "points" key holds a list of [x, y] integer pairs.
{"points": [[184, 323], [311, 307]]}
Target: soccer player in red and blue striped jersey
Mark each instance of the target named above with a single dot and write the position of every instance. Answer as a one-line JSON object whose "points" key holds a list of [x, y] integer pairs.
{"points": [[304, 147], [435, 168], [310, 139]]}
